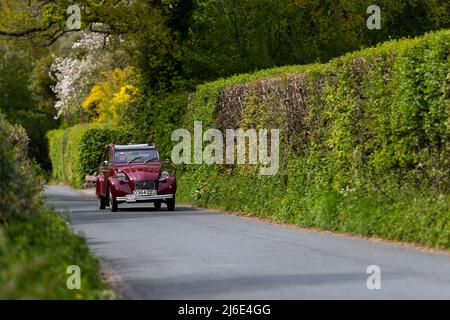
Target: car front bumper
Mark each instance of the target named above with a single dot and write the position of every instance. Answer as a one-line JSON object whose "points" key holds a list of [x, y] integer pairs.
{"points": [[145, 198]]}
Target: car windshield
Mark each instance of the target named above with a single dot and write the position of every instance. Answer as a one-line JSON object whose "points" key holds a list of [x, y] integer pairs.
{"points": [[141, 155]]}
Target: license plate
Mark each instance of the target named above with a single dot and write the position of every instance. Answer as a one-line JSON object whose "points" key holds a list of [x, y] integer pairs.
{"points": [[145, 193]]}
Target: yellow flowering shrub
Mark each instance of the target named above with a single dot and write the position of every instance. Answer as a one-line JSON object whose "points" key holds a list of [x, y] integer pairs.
{"points": [[107, 100]]}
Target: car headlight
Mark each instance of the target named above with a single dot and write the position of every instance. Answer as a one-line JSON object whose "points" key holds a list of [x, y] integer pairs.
{"points": [[122, 176], [164, 175]]}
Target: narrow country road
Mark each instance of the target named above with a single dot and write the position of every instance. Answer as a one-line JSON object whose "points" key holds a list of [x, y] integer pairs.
{"points": [[195, 254]]}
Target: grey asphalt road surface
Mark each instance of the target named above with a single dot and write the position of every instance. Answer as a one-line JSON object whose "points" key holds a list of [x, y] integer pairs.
{"points": [[196, 254]]}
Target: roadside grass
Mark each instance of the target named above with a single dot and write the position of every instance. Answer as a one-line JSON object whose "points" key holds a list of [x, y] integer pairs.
{"points": [[420, 218], [34, 256]]}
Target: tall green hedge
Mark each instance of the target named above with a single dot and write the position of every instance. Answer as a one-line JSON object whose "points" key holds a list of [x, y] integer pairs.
{"points": [[76, 152], [156, 117], [365, 142]]}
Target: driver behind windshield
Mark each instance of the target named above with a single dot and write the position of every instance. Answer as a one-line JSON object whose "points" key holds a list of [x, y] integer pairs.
{"points": [[129, 156]]}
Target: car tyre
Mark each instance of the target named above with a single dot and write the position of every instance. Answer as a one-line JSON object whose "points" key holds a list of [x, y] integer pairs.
{"points": [[113, 207], [102, 202], [171, 204], [157, 204]]}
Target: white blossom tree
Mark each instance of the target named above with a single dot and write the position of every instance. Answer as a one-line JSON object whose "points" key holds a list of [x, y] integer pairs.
{"points": [[75, 74]]}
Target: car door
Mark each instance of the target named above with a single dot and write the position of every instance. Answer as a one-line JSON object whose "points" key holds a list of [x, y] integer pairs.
{"points": [[104, 173], [109, 167]]}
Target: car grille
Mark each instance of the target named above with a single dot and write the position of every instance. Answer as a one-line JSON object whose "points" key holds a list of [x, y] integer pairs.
{"points": [[145, 185]]}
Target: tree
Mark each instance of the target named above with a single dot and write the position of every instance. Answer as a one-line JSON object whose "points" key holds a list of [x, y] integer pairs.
{"points": [[18, 103], [43, 22]]}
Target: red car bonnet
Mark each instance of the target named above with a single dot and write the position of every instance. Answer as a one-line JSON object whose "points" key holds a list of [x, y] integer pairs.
{"points": [[141, 172]]}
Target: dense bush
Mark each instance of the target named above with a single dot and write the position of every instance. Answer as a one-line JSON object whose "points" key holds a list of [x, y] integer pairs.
{"points": [[36, 245], [365, 142], [16, 199], [77, 151]]}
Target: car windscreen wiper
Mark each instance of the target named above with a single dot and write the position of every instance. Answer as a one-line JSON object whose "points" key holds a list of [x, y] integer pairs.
{"points": [[153, 159], [135, 158]]}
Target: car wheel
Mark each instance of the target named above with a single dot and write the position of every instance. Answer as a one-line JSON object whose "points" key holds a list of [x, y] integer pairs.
{"points": [[157, 204], [102, 203], [171, 204], [112, 202]]}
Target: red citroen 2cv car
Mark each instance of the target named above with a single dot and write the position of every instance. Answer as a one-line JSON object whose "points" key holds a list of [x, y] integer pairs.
{"points": [[134, 174]]}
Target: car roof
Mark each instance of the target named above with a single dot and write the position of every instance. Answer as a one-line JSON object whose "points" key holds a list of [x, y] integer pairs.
{"points": [[134, 146]]}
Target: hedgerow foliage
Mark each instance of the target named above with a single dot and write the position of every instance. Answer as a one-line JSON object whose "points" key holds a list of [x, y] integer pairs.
{"points": [[156, 117], [77, 151], [36, 245], [365, 142]]}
